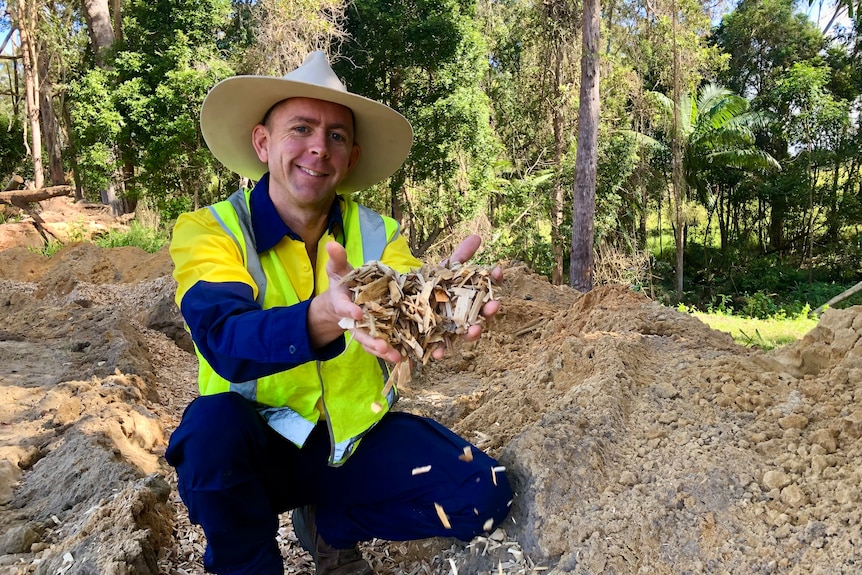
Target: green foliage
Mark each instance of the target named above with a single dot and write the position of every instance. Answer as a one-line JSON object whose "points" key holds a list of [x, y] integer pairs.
{"points": [[12, 150], [142, 109], [524, 231], [721, 305], [618, 205], [148, 239], [425, 58], [49, 249], [97, 125], [718, 132], [816, 119], [170, 207], [760, 305], [763, 38]]}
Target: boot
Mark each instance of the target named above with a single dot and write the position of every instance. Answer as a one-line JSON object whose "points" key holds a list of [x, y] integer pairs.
{"points": [[327, 559]]}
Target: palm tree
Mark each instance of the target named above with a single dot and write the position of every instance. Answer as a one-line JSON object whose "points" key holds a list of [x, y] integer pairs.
{"points": [[717, 132]]}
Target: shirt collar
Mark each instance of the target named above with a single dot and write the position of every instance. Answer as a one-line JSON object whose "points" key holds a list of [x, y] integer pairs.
{"points": [[269, 228]]}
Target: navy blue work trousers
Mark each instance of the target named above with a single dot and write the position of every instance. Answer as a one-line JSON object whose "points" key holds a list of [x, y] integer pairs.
{"points": [[236, 474]]}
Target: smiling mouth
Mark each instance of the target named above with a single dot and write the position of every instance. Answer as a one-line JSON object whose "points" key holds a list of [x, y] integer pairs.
{"points": [[312, 172]]}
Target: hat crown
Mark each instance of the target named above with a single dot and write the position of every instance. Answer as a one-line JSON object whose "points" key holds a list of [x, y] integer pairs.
{"points": [[315, 70]]}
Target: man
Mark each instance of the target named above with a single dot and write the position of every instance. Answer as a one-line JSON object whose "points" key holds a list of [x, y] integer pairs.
{"points": [[284, 420]]}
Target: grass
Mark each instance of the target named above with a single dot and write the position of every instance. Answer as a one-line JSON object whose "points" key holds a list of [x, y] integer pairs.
{"points": [[149, 239], [763, 333]]}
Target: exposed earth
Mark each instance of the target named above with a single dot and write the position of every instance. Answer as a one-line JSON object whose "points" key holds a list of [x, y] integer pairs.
{"points": [[638, 439]]}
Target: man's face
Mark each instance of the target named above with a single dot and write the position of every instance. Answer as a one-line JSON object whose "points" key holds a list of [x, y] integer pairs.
{"points": [[308, 146]]}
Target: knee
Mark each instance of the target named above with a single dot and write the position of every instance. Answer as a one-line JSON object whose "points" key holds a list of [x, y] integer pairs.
{"points": [[495, 499], [487, 497], [218, 430]]}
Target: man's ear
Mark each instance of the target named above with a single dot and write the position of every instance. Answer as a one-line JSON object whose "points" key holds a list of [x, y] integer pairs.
{"points": [[355, 153], [259, 139]]}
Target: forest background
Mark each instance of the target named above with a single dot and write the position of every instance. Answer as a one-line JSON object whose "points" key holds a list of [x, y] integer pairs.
{"points": [[709, 154]]}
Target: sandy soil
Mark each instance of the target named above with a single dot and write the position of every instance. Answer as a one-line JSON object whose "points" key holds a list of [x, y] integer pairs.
{"points": [[638, 439]]}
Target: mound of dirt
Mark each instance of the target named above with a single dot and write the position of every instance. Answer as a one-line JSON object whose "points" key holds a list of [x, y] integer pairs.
{"points": [[638, 439], [62, 219]]}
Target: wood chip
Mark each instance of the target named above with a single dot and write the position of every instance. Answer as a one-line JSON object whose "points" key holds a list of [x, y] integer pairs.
{"points": [[442, 515], [420, 309], [421, 470], [467, 455], [495, 471]]}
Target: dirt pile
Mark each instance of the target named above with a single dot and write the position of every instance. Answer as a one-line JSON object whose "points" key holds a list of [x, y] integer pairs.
{"points": [[643, 442], [61, 219], [638, 440]]}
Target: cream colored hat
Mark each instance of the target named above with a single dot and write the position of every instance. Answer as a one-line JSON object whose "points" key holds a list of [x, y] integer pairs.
{"points": [[236, 105]]}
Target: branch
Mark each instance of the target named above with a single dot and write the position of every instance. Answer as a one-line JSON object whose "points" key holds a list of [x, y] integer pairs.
{"points": [[840, 297], [18, 197]]}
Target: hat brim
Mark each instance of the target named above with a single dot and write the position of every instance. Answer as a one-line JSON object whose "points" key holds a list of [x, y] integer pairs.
{"points": [[236, 105]]}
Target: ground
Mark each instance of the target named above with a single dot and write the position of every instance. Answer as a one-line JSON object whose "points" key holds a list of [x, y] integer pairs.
{"points": [[638, 439]]}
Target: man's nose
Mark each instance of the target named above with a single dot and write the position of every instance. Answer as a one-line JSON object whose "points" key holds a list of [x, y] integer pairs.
{"points": [[319, 145]]}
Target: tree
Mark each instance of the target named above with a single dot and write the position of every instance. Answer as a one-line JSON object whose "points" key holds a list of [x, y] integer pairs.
{"points": [[764, 38], [583, 211], [49, 123], [717, 133], [12, 150], [426, 59], [147, 101], [25, 18], [285, 31], [98, 18], [816, 126]]}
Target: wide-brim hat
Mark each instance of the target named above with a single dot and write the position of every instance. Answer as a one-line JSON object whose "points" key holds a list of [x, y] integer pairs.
{"points": [[236, 105]]}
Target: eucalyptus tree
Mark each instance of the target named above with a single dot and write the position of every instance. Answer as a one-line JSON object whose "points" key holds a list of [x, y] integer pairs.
{"points": [[584, 204], [25, 15], [285, 31]]}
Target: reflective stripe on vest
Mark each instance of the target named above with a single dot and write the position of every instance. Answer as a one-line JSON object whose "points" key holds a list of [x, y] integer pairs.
{"points": [[373, 234]]}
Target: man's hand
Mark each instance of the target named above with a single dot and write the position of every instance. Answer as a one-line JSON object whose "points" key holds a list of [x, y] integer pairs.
{"points": [[461, 254], [335, 303]]}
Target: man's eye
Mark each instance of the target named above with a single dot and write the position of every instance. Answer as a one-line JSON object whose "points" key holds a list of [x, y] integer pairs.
{"points": [[337, 137], [301, 129]]}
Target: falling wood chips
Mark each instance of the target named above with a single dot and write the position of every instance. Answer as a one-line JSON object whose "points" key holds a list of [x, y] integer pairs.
{"points": [[420, 309]]}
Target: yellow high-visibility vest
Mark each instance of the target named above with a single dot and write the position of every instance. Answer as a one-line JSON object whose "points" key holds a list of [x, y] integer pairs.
{"points": [[346, 386]]}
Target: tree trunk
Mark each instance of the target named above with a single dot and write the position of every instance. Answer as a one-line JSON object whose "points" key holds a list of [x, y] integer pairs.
{"points": [[678, 179], [49, 125], [99, 27], [557, 203], [26, 23], [18, 197], [839, 298], [584, 205], [73, 160], [722, 224], [98, 17], [117, 17]]}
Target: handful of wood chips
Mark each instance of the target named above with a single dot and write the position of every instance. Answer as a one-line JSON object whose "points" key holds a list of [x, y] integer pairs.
{"points": [[416, 310]]}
